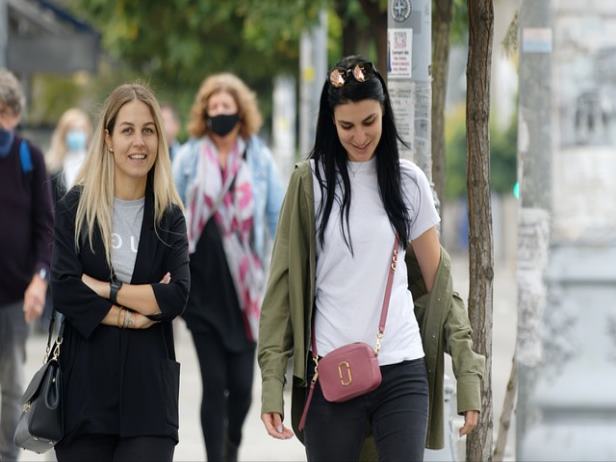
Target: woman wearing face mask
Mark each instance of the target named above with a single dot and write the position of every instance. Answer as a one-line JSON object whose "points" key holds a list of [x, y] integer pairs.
{"points": [[69, 143], [230, 187]]}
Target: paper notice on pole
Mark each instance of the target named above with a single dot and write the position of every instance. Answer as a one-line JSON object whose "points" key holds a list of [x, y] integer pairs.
{"points": [[399, 53], [401, 96]]}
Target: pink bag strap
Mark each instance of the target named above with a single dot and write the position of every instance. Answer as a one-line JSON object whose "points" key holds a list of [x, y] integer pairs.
{"points": [[387, 297], [379, 336]]}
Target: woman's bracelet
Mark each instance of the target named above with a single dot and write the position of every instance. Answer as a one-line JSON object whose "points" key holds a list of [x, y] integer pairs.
{"points": [[128, 322], [122, 318]]}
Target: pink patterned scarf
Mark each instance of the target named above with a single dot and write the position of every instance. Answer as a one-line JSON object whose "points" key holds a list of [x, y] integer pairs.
{"points": [[227, 195]]}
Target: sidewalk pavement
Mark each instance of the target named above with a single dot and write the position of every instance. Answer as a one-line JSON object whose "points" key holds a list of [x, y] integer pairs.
{"points": [[257, 446]]}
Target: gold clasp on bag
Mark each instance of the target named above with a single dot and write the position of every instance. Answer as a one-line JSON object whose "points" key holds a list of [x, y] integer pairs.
{"points": [[316, 369], [379, 340], [56, 350], [394, 259], [344, 372]]}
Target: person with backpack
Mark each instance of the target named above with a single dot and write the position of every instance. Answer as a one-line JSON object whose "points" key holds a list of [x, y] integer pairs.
{"points": [[25, 245]]}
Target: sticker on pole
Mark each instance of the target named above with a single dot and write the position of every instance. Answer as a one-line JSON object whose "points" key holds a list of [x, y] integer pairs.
{"points": [[401, 10], [536, 40], [399, 56]]}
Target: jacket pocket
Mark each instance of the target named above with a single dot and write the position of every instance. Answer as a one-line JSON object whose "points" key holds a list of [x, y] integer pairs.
{"points": [[170, 372]]}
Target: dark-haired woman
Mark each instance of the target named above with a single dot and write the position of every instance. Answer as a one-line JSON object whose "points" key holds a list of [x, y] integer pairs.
{"points": [[343, 210]]}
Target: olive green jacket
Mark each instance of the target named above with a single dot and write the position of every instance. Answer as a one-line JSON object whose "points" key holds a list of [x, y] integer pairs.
{"points": [[285, 326]]}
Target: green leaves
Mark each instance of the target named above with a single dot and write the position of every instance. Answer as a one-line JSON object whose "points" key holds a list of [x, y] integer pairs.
{"points": [[175, 44]]}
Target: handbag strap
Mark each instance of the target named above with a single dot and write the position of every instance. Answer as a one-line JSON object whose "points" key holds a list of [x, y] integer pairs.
{"points": [[56, 332], [387, 297]]}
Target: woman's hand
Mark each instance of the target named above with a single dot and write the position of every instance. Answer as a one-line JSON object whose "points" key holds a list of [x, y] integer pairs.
{"points": [[101, 288], [471, 419], [275, 428], [34, 298]]}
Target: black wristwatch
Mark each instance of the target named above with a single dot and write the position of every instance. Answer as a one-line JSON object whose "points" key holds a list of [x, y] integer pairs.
{"points": [[115, 286]]}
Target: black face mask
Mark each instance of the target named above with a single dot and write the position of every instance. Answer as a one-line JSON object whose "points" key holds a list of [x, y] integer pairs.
{"points": [[222, 124]]}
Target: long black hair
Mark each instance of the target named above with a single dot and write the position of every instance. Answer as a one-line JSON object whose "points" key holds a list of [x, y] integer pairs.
{"points": [[331, 158]]}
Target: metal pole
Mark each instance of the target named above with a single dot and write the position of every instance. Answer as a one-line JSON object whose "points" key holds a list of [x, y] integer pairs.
{"points": [[421, 22], [572, 392], [409, 46], [4, 32], [409, 58], [284, 113], [400, 71], [534, 167], [313, 71]]}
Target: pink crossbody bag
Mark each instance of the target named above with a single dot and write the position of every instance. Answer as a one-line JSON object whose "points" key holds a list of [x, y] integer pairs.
{"points": [[351, 370]]}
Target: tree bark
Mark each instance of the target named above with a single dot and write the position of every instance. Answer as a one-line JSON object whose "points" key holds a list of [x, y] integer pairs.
{"points": [[378, 24], [441, 26], [350, 30], [505, 418], [481, 258]]}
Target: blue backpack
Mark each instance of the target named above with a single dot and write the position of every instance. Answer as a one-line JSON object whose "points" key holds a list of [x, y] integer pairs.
{"points": [[25, 157]]}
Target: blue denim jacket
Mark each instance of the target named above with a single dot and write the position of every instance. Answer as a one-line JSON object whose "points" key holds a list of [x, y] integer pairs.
{"points": [[268, 189]]}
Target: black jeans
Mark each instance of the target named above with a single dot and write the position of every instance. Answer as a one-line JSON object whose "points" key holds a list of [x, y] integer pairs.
{"points": [[111, 448], [396, 414], [227, 393]]}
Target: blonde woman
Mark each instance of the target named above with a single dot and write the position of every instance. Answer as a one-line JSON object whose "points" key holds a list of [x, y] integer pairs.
{"points": [[120, 275], [67, 151], [232, 192]]}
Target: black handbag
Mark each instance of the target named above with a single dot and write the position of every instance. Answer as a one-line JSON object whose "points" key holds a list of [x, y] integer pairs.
{"points": [[41, 424]]}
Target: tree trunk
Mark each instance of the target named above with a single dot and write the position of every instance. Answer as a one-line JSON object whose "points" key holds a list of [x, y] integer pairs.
{"points": [[350, 31], [378, 24], [481, 258], [441, 25], [505, 418]]}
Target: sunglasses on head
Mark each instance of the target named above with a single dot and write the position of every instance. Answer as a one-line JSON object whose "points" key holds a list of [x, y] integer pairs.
{"points": [[360, 72]]}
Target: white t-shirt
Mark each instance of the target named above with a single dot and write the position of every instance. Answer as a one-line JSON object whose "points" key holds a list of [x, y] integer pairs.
{"points": [[350, 289]]}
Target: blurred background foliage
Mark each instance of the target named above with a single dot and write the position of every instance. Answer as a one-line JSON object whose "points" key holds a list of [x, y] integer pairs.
{"points": [[503, 154], [173, 45]]}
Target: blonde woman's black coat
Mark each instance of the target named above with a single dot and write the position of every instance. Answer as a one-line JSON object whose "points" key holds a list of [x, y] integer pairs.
{"points": [[119, 381]]}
